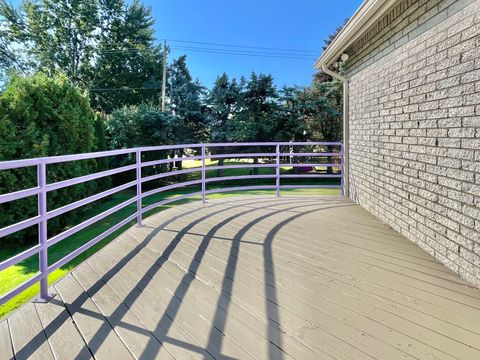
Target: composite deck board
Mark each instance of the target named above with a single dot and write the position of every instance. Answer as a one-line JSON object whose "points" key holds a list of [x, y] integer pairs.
{"points": [[101, 339], [28, 337], [304, 274], [5, 342], [196, 300], [149, 313], [324, 345], [311, 288], [197, 325], [150, 307], [328, 258], [65, 340], [297, 302], [123, 321], [256, 325], [254, 278], [212, 305]]}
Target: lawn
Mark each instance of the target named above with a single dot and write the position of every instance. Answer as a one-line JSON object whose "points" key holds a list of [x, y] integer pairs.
{"points": [[24, 270]]}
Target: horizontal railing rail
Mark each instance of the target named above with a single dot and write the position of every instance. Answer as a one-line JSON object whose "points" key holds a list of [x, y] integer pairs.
{"points": [[277, 155]]}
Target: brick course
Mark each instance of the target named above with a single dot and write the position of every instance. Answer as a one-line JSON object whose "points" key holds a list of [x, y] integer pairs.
{"points": [[415, 128]]}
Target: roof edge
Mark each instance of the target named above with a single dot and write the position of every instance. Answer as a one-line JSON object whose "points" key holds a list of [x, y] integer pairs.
{"points": [[366, 15]]}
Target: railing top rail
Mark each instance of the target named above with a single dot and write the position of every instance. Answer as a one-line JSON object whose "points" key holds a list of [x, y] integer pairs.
{"points": [[271, 143], [13, 164]]}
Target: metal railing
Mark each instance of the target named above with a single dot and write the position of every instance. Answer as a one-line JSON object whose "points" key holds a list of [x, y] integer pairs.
{"points": [[207, 151]]}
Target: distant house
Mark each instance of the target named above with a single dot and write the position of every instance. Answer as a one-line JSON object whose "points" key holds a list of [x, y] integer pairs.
{"points": [[412, 121]]}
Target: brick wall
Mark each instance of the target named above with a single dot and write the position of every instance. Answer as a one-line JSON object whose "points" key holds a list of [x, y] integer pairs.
{"points": [[415, 129]]}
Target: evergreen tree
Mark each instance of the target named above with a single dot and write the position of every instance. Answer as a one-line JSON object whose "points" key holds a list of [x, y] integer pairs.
{"points": [[256, 119], [186, 103], [290, 115], [223, 103]]}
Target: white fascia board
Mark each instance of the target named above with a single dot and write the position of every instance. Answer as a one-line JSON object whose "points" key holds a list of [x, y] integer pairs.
{"points": [[367, 14]]}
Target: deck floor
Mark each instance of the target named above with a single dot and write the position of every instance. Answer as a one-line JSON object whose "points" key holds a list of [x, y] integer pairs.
{"points": [[254, 278]]}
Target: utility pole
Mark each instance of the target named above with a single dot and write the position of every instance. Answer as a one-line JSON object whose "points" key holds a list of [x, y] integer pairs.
{"points": [[164, 78]]}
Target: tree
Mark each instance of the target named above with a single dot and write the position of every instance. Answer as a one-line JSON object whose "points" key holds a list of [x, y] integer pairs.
{"points": [[53, 35], [186, 104], [256, 120], [42, 116], [136, 126], [290, 115], [129, 67], [323, 113], [223, 103], [325, 103], [100, 144]]}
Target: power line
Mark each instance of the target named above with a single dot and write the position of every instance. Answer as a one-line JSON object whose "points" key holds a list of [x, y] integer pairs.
{"points": [[243, 46], [245, 54], [240, 51], [296, 51], [120, 50], [226, 52], [125, 89]]}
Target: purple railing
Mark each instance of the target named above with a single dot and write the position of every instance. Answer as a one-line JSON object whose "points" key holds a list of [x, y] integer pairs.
{"points": [[43, 188]]}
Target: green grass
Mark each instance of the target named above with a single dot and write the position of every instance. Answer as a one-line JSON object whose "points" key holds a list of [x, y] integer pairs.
{"points": [[17, 274]]}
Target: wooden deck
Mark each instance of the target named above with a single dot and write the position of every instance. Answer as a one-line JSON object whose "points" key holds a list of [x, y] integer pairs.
{"points": [[254, 278]]}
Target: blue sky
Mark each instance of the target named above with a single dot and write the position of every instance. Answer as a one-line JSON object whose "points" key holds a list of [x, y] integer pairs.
{"points": [[301, 24]]}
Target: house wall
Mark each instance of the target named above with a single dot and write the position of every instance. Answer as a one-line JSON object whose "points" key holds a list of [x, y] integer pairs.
{"points": [[415, 127]]}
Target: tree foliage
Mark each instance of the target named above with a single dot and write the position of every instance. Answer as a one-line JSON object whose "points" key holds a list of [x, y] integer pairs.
{"points": [[102, 46], [186, 103], [255, 120], [223, 103], [136, 126]]}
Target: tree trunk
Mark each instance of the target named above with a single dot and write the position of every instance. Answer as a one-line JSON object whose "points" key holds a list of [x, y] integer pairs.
{"points": [[171, 164], [220, 163], [330, 160], [255, 169]]}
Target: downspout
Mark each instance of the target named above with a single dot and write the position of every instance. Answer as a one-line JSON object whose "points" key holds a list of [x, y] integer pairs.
{"points": [[346, 129]]}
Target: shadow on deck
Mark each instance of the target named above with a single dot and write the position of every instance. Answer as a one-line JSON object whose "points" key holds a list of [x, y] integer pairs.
{"points": [[254, 278]]}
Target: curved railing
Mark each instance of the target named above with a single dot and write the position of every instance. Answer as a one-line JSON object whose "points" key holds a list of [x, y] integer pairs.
{"points": [[200, 152]]}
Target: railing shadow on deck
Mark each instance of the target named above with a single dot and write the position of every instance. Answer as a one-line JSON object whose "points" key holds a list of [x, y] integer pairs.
{"points": [[159, 335]]}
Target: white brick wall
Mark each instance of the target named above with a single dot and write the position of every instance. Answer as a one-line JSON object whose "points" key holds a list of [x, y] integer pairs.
{"points": [[415, 134]]}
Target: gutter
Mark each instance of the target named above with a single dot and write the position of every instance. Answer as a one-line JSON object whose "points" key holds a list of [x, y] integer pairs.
{"points": [[346, 129]]}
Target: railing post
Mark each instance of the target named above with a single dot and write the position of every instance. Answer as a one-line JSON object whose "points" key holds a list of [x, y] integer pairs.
{"points": [[203, 174], [138, 158], [42, 232], [277, 169], [342, 172]]}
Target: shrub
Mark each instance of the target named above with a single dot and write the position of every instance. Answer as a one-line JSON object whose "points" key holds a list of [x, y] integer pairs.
{"points": [[43, 116]]}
